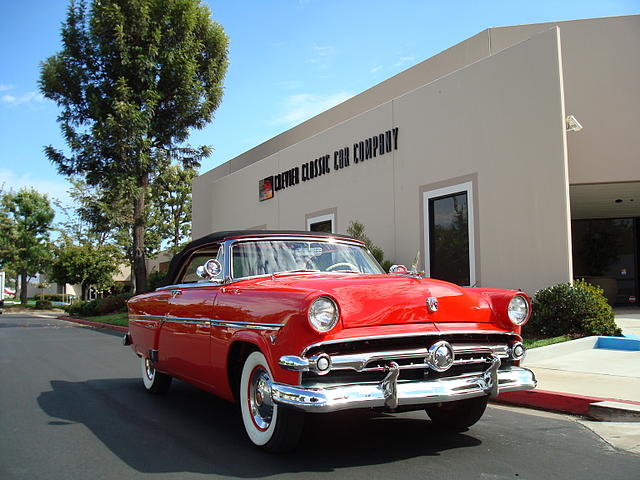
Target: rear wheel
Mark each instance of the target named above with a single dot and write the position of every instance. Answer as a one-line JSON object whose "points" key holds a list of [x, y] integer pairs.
{"points": [[458, 415], [154, 381], [268, 425]]}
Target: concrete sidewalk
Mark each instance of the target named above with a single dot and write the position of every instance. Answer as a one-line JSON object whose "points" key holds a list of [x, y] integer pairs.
{"points": [[573, 376]]}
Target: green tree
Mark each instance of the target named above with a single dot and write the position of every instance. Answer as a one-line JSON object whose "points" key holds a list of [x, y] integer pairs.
{"points": [[85, 265], [171, 195], [102, 218], [25, 224], [356, 230], [132, 79]]}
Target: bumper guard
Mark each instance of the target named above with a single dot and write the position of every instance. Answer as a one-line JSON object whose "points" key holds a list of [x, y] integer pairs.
{"points": [[391, 393]]}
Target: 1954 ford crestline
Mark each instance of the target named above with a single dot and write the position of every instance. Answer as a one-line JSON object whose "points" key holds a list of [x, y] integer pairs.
{"points": [[292, 322]]}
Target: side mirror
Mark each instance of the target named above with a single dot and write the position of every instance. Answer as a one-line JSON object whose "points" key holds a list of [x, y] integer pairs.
{"points": [[399, 269], [211, 269]]}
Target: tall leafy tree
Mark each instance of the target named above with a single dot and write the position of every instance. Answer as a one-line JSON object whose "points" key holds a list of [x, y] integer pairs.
{"points": [[132, 79], [25, 223], [85, 265]]}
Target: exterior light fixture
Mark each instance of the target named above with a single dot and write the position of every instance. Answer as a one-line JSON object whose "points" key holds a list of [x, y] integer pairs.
{"points": [[572, 124]]}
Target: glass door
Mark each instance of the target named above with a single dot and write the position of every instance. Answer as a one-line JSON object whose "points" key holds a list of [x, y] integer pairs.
{"points": [[605, 253]]}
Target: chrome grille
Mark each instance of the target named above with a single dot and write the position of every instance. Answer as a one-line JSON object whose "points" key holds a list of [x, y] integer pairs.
{"points": [[367, 359]]}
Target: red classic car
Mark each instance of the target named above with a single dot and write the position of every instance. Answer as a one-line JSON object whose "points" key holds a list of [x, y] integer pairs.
{"points": [[292, 322]]}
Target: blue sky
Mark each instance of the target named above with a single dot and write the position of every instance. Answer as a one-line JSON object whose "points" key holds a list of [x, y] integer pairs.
{"points": [[289, 60]]}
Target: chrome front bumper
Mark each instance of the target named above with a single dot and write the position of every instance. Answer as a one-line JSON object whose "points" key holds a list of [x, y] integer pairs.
{"points": [[391, 393]]}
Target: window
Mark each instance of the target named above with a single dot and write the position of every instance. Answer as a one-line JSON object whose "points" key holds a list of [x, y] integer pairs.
{"points": [[265, 257], [322, 223], [198, 259], [449, 236]]}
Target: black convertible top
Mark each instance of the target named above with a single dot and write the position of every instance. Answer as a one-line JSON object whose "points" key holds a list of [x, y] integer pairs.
{"points": [[176, 262]]}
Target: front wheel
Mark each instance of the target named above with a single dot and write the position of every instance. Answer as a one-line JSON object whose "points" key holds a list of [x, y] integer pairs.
{"points": [[269, 426], [154, 381], [458, 415]]}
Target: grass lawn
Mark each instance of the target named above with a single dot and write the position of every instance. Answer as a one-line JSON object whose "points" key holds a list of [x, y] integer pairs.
{"points": [[112, 319], [543, 342]]}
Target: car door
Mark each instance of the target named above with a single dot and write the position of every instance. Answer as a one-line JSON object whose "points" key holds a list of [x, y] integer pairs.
{"points": [[185, 337]]}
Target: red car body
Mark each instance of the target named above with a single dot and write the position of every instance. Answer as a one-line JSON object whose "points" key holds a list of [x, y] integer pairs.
{"points": [[393, 335]]}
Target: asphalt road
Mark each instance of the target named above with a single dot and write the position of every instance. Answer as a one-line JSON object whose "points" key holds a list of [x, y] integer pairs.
{"points": [[72, 406]]}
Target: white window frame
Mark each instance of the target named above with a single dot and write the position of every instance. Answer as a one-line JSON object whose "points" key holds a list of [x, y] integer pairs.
{"points": [[323, 218], [442, 192]]}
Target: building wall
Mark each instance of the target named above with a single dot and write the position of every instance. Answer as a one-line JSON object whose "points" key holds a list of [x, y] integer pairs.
{"points": [[601, 74], [455, 57], [498, 122], [500, 119], [601, 66]]}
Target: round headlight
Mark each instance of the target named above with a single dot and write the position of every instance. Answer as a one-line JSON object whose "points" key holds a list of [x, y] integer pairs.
{"points": [[323, 314], [518, 310]]}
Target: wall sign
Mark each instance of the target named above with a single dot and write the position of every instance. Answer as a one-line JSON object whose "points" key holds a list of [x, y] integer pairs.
{"points": [[266, 188], [357, 153]]}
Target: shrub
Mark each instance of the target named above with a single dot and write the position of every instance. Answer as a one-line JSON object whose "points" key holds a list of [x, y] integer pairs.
{"points": [[54, 297], [43, 304], [565, 309], [99, 306], [113, 303], [83, 308]]}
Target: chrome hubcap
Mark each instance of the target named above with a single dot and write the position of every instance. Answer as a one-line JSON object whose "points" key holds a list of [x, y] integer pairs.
{"points": [[260, 402], [149, 370]]}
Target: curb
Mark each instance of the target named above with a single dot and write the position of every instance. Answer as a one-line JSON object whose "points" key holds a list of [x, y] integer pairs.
{"points": [[108, 326], [558, 402]]}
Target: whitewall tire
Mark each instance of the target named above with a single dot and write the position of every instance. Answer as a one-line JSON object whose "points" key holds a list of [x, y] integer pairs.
{"points": [[154, 381], [268, 425]]}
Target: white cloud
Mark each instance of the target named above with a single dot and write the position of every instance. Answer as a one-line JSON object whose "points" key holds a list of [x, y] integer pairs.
{"points": [[376, 69], [302, 106], [10, 180], [4, 87], [289, 84], [322, 55], [323, 50], [402, 60], [29, 98]]}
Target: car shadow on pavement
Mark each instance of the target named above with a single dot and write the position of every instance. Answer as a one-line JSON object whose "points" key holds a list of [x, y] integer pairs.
{"points": [[188, 430]]}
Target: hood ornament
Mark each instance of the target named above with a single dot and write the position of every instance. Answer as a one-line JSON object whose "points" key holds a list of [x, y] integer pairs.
{"points": [[432, 304]]}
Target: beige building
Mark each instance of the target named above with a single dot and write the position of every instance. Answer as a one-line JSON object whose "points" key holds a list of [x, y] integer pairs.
{"points": [[474, 158]]}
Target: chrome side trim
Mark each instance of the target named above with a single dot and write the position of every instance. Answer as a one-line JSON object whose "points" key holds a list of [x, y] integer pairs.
{"points": [[405, 335], [189, 321], [209, 322], [408, 393], [147, 317], [248, 325], [189, 285]]}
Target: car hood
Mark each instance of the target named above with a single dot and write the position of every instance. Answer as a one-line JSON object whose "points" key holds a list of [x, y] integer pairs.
{"points": [[368, 300]]}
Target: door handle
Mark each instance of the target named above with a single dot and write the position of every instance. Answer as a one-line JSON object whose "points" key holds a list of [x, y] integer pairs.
{"points": [[175, 293]]}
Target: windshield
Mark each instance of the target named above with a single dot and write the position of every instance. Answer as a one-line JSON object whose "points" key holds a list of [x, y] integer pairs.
{"points": [[274, 256]]}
